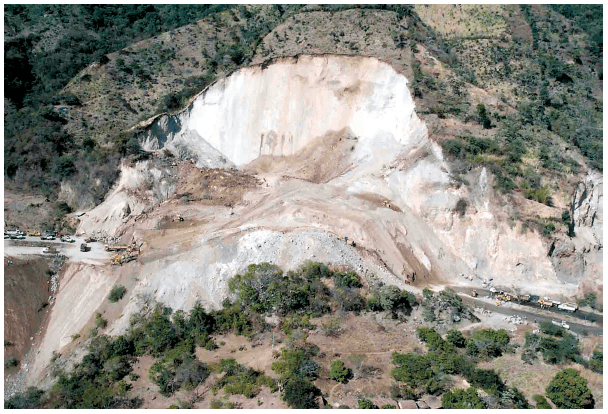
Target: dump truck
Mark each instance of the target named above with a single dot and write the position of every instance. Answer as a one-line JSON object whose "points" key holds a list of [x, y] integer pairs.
{"points": [[525, 298], [115, 247], [568, 306], [84, 247], [120, 258], [33, 233], [545, 303]]}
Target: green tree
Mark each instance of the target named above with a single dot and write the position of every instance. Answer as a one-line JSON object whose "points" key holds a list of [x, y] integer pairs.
{"points": [[456, 338], [569, 390], [482, 116], [366, 404], [541, 402], [301, 394], [339, 372], [462, 399], [117, 293]]}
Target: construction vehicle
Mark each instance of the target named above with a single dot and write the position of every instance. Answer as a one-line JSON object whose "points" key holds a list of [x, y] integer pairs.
{"points": [[120, 258], [115, 247], [177, 217], [474, 293], [33, 233], [545, 303], [84, 247], [568, 306], [89, 240], [525, 298], [507, 297]]}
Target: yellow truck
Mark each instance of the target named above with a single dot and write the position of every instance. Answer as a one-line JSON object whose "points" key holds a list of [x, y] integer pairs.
{"points": [[115, 247], [33, 233]]}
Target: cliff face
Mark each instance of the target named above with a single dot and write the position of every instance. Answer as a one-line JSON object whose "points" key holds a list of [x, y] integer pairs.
{"points": [[342, 152], [279, 109]]}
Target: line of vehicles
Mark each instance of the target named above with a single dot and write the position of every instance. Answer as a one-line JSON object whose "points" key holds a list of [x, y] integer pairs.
{"points": [[49, 235], [544, 302]]}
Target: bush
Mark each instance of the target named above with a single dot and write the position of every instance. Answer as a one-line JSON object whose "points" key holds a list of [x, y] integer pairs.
{"points": [[117, 293], [486, 379], [461, 207], [10, 362], [388, 407], [541, 402], [482, 116], [301, 394], [569, 390], [391, 298], [551, 329], [491, 343], [348, 279], [332, 328], [596, 363], [339, 372], [30, 399], [456, 338], [590, 300], [462, 399], [366, 404], [415, 371]]}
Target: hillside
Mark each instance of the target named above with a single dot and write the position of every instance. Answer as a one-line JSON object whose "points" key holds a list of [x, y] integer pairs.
{"points": [[389, 159]]}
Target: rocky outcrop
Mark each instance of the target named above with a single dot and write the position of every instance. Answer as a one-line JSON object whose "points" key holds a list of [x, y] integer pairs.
{"points": [[578, 258], [279, 109]]}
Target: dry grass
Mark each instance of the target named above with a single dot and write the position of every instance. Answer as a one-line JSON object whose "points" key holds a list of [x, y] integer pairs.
{"points": [[466, 20], [534, 379]]}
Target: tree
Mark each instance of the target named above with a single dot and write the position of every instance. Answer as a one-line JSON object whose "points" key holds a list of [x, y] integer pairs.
{"points": [[366, 404], [569, 390], [482, 116], [462, 399], [301, 394], [117, 293], [339, 372], [456, 338], [541, 402]]}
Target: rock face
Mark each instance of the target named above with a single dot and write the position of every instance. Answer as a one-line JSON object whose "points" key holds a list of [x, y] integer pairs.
{"points": [[342, 153], [579, 258], [279, 109]]}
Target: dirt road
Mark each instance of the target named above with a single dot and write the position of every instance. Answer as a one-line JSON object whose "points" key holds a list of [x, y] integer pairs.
{"points": [[95, 256], [531, 316]]}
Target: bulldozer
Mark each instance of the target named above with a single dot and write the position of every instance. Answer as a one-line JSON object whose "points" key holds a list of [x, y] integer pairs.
{"points": [[177, 217], [120, 258], [474, 293]]}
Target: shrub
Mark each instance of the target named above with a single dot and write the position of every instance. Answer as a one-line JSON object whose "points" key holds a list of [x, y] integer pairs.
{"points": [[30, 399], [117, 293], [456, 338], [348, 279], [415, 371], [596, 363], [301, 394], [10, 362], [551, 329], [366, 404], [461, 207], [462, 399], [491, 343], [541, 402], [486, 379], [569, 390], [332, 328], [339, 372], [388, 407]]}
